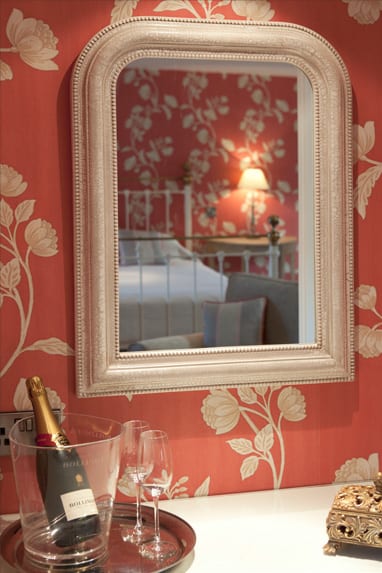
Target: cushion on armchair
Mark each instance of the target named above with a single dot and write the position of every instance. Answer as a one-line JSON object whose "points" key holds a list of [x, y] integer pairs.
{"points": [[281, 316], [194, 340], [238, 323]]}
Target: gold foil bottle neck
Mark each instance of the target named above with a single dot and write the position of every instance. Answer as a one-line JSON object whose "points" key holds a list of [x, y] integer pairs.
{"points": [[45, 421], [35, 386]]}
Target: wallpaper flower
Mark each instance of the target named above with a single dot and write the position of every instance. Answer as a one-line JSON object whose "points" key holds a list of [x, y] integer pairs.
{"points": [[364, 11], [33, 40], [358, 469]]}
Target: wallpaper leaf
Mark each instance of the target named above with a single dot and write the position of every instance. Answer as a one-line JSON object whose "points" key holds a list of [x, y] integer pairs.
{"points": [[241, 446], [122, 9], [368, 340], [203, 489], [24, 211], [364, 140], [249, 467], [264, 440], [10, 275], [6, 214], [5, 71], [364, 187], [363, 143], [52, 346]]}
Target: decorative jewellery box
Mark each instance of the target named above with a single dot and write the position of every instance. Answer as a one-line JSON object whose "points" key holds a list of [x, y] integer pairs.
{"points": [[356, 517]]}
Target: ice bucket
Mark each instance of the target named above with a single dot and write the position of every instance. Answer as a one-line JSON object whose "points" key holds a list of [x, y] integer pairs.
{"points": [[63, 527]]}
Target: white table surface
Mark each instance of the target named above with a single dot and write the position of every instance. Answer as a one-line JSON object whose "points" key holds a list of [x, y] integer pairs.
{"points": [[267, 532]]}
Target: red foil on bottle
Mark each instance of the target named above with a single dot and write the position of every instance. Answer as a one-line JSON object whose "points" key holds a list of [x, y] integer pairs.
{"points": [[45, 440]]}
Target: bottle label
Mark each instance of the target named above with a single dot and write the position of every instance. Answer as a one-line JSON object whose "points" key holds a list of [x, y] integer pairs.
{"points": [[79, 504]]}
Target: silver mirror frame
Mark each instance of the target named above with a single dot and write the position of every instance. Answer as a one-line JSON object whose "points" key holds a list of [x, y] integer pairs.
{"points": [[100, 368]]}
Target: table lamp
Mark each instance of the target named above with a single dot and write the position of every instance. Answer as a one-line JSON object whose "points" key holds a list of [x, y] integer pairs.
{"points": [[252, 180]]}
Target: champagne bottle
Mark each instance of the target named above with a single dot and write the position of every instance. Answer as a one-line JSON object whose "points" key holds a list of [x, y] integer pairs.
{"points": [[68, 499]]}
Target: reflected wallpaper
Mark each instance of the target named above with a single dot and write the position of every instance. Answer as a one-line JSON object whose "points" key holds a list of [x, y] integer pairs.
{"points": [[216, 124], [223, 440]]}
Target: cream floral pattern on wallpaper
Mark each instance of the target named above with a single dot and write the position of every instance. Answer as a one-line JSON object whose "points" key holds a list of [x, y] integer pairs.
{"points": [[252, 10], [358, 469], [123, 9], [364, 141], [263, 408], [22, 237], [364, 11], [368, 339], [21, 400], [32, 40]]}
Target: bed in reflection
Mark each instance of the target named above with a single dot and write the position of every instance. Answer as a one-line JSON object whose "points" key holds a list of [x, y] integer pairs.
{"points": [[174, 296], [162, 287], [169, 298]]}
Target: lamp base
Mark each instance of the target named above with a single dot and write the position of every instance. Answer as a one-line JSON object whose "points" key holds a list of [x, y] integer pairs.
{"points": [[355, 517]]}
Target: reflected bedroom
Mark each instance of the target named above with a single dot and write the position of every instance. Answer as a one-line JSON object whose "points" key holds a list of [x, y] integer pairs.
{"points": [[209, 204]]}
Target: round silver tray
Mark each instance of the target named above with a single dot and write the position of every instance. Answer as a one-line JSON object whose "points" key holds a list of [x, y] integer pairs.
{"points": [[123, 557]]}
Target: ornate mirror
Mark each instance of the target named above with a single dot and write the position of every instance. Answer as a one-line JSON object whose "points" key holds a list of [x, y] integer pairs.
{"points": [[109, 169]]}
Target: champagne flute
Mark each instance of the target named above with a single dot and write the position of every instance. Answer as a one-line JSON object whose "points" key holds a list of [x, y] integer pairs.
{"points": [[155, 465], [131, 434]]}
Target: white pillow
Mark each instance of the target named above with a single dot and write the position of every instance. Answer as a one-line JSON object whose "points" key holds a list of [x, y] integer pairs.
{"points": [[153, 250], [147, 251]]}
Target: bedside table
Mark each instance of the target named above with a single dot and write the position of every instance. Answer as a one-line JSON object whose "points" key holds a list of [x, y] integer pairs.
{"points": [[287, 246]]}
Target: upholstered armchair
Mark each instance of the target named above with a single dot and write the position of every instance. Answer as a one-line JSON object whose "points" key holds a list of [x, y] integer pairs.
{"points": [[256, 310]]}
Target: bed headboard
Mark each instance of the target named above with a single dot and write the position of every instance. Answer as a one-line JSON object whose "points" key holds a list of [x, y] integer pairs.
{"points": [[184, 190]]}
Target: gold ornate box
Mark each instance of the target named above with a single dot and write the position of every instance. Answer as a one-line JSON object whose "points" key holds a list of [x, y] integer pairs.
{"points": [[356, 517]]}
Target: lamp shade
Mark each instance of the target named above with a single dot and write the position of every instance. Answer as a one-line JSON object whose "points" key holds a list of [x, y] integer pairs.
{"points": [[253, 179]]}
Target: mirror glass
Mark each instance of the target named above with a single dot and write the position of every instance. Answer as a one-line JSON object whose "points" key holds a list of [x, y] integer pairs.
{"points": [[187, 130], [273, 97]]}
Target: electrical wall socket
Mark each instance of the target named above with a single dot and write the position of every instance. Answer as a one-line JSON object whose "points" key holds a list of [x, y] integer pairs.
{"points": [[7, 419]]}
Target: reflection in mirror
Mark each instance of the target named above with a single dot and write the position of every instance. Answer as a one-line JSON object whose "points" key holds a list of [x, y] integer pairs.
{"points": [[119, 151], [193, 212]]}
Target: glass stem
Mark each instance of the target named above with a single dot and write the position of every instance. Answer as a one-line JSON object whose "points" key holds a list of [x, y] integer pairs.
{"points": [[138, 489], [156, 519]]}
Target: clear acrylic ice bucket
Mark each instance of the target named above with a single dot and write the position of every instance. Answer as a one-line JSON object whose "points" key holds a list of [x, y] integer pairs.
{"points": [[70, 539]]}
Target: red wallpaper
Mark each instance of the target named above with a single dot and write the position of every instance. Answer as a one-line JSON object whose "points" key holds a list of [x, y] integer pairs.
{"points": [[226, 441], [169, 118]]}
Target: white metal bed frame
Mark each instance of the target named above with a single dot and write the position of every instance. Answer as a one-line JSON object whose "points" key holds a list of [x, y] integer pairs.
{"points": [[246, 256]]}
